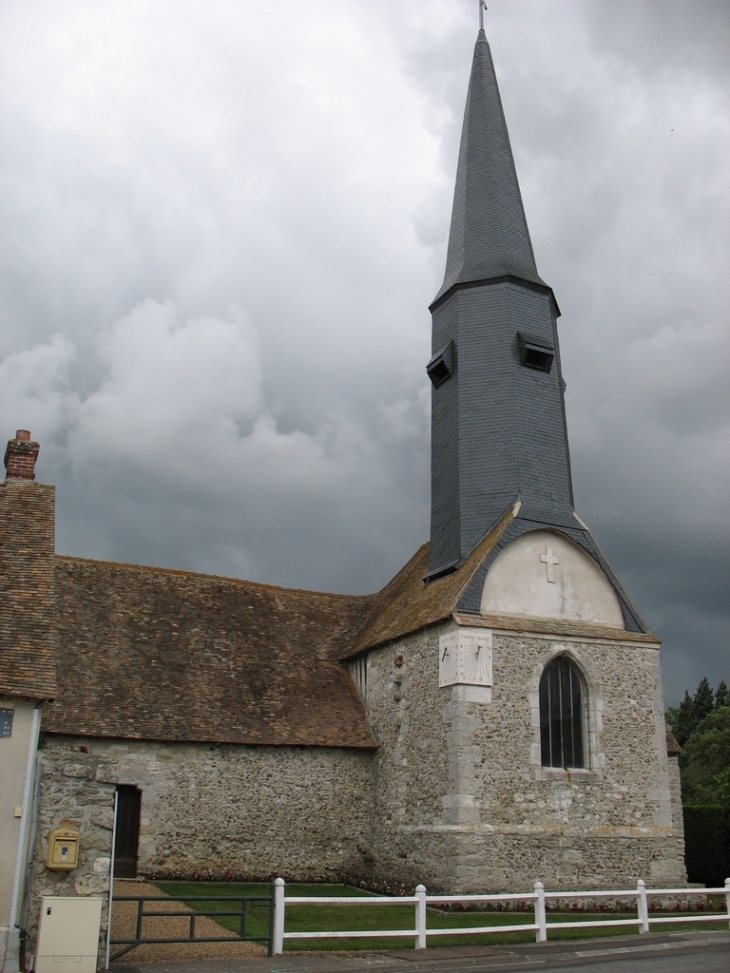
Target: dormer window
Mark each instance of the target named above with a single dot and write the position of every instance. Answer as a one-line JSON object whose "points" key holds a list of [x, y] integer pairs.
{"points": [[441, 367], [537, 353]]}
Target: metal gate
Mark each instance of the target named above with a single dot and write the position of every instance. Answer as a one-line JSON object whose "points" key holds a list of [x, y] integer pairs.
{"points": [[245, 911]]}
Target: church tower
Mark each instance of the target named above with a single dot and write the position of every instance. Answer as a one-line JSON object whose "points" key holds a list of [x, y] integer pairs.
{"points": [[498, 434], [512, 688], [498, 427]]}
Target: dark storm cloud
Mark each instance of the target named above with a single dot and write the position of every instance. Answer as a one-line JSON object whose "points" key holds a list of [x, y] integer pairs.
{"points": [[222, 236]]}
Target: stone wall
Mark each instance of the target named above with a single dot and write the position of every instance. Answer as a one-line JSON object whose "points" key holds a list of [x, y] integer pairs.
{"points": [[250, 811], [455, 795], [462, 799], [72, 797], [675, 791]]}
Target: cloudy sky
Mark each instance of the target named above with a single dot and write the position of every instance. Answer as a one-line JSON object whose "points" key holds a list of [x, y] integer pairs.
{"points": [[222, 224]]}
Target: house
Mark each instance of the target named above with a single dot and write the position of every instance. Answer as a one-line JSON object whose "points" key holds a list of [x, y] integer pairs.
{"points": [[27, 673]]}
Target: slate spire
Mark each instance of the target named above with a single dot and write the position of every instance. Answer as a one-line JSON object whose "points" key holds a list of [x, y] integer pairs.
{"points": [[498, 418], [498, 430], [489, 236]]}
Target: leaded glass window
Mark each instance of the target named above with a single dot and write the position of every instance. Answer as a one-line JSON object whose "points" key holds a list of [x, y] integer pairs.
{"points": [[561, 715]]}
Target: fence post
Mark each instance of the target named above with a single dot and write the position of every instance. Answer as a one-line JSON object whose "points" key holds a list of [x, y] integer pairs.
{"points": [[421, 917], [643, 906], [279, 903], [727, 899], [540, 919]]}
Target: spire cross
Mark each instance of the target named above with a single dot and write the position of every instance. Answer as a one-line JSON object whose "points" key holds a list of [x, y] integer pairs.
{"points": [[549, 559], [482, 8]]}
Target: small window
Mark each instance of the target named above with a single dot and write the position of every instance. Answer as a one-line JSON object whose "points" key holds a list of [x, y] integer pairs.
{"points": [[561, 715], [6, 722], [535, 352], [441, 367]]}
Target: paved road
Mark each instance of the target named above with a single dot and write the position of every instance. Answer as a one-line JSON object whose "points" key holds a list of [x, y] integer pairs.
{"points": [[708, 957], [707, 952]]}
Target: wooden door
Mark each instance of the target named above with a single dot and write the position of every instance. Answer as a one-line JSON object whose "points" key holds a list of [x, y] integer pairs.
{"points": [[127, 840]]}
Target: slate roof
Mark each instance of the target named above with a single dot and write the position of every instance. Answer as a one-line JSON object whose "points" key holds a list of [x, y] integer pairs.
{"points": [[154, 654], [407, 604], [488, 236]]}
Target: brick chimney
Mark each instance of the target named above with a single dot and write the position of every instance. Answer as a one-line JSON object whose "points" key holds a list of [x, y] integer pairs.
{"points": [[20, 457]]}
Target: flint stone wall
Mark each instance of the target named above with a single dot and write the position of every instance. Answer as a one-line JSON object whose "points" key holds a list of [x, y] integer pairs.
{"points": [[462, 800], [251, 811], [675, 790], [455, 795]]}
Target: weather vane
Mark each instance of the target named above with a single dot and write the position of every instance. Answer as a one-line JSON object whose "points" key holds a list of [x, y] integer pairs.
{"points": [[482, 8]]}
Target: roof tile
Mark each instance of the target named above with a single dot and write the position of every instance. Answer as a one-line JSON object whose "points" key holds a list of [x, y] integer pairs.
{"points": [[146, 653], [27, 632]]}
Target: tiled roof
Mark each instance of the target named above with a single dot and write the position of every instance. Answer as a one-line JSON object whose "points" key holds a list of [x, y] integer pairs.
{"points": [[408, 603], [673, 748], [149, 653], [155, 654], [27, 632]]}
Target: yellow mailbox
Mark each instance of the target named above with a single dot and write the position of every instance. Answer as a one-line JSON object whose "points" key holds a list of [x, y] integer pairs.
{"points": [[63, 849]]}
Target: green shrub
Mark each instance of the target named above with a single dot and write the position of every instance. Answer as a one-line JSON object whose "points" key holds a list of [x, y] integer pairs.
{"points": [[707, 844]]}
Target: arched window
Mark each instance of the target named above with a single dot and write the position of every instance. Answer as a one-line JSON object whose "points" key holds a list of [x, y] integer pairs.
{"points": [[561, 715]]}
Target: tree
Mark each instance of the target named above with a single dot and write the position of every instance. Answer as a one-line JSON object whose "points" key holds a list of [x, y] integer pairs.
{"points": [[703, 702], [722, 695], [705, 762], [682, 721], [722, 787]]}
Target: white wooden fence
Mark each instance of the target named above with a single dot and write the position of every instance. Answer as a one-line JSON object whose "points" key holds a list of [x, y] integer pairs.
{"points": [[421, 900]]}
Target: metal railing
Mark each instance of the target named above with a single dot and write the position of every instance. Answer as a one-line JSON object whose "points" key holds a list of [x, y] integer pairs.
{"points": [[419, 933], [192, 915]]}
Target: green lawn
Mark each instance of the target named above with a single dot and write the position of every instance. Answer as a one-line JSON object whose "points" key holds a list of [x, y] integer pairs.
{"points": [[302, 918]]}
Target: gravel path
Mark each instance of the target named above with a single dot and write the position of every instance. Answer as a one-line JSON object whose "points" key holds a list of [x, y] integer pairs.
{"points": [[124, 917]]}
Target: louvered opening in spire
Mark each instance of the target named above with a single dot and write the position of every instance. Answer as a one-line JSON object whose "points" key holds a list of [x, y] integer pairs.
{"points": [[489, 236]]}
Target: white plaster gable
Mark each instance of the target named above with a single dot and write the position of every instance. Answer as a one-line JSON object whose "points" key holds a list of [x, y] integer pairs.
{"points": [[546, 575]]}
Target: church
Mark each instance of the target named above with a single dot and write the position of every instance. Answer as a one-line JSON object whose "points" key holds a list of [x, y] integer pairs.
{"points": [[493, 716]]}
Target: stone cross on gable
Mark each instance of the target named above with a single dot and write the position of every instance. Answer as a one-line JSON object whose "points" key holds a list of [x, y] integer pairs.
{"points": [[550, 559]]}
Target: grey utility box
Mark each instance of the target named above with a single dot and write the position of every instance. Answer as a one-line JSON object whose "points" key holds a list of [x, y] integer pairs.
{"points": [[68, 934]]}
